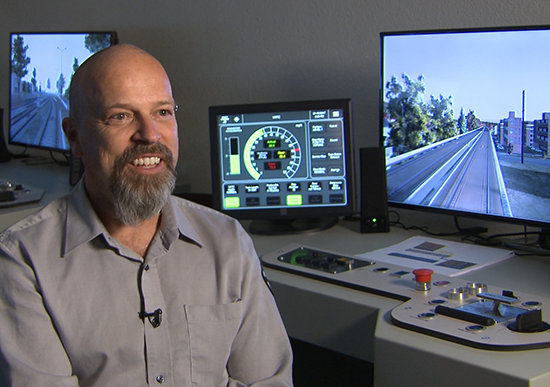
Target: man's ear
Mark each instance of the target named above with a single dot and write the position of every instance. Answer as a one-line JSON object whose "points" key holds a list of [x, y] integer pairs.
{"points": [[70, 129]]}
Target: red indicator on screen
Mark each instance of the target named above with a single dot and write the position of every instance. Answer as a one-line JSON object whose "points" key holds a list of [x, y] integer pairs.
{"points": [[272, 165]]}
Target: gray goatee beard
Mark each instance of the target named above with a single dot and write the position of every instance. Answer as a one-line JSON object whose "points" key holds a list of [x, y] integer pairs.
{"points": [[138, 197]]}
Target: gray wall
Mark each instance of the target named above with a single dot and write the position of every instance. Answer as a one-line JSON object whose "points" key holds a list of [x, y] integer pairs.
{"points": [[240, 51]]}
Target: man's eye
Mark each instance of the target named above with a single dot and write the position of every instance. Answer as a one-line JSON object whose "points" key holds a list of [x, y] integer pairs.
{"points": [[165, 113], [118, 116]]}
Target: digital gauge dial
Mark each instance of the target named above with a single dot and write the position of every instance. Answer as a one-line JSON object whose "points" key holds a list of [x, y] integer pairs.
{"points": [[271, 151]]}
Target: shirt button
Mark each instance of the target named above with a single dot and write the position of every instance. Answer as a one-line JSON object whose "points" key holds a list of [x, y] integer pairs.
{"points": [[160, 378], [146, 267]]}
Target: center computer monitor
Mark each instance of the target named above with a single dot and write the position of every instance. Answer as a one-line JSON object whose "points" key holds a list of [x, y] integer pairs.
{"points": [[465, 120], [288, 166]]}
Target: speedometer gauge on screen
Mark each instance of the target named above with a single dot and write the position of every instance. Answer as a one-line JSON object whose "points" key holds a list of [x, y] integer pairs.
{"points": [[282, 160], [273, 150]]}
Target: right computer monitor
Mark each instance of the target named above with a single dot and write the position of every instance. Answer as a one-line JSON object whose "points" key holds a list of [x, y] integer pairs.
{"points": [[464, 120]]}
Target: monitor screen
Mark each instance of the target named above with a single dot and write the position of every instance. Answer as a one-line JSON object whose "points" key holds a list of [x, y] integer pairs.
{"points": [[287, 165], [464, 119], [41, 67]]}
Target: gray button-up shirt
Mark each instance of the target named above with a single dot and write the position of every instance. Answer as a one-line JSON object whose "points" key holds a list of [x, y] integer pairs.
{"points": [[73, 303]]}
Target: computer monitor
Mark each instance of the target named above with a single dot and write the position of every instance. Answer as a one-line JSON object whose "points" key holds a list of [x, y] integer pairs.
{"points": [[41, 67], [288, 166], [464, 119]]}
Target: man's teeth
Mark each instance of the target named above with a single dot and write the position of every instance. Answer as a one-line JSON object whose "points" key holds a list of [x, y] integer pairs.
{"points": [[147, 161]]}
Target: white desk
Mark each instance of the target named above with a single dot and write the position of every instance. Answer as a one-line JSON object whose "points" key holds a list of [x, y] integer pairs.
{"points": [[357, 323], [51, 177]]}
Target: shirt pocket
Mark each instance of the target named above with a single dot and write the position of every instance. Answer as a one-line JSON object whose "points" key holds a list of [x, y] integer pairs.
{"points": [[212, 330]]}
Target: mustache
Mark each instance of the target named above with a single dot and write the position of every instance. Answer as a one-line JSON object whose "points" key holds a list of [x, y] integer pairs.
{"points": [[135, 151]]}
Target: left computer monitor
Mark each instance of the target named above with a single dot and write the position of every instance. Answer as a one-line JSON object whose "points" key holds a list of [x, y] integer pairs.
{"points": [[41, 67]]}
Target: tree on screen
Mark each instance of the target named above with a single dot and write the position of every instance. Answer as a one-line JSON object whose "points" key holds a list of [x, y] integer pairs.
{"points": [[75, 67], [33, 80], [19, 60], [441, 114], [60, 84], [413, 122], [473, 122], [97, 42], [406, 112], [462, 123]]}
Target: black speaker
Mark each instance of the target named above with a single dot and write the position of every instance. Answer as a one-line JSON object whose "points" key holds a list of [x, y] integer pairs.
{"points": [[374, 191], [5, 155]]}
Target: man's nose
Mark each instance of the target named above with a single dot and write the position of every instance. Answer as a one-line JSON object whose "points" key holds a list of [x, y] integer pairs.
{"points": [[147, 131]]}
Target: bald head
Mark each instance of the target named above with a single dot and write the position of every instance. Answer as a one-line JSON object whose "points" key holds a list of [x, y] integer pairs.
{"points": [[112, 62], [119, 81]]}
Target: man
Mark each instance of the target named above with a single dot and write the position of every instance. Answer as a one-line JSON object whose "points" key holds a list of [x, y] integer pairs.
{"points": [[121, 284]]}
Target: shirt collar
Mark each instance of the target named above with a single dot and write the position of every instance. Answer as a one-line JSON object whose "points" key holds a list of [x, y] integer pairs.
{"points": [[83, 225], [174, 215]]}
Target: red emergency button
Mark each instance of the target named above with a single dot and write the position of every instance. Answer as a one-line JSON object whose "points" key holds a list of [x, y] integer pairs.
{"points": [[423, 275], [423, 278]]}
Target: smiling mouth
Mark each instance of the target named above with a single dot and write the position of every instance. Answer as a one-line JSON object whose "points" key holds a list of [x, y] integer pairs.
{"points": [[146, 162]]}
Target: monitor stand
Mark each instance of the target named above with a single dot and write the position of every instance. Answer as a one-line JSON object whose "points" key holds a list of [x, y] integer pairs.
{"points": [[290, 226]]}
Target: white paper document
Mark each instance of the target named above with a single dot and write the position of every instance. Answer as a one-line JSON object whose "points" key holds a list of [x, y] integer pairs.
{"points": [[442, 256]]}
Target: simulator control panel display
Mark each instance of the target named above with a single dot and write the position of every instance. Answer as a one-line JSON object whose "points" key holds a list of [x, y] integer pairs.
{"points": [[283, 160]]}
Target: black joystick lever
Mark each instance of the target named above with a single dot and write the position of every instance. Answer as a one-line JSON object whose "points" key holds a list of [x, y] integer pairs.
{"points": [[529, 322]]}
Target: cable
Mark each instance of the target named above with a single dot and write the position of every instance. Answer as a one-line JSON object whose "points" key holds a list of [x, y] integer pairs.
{"points": [[471, 234]]}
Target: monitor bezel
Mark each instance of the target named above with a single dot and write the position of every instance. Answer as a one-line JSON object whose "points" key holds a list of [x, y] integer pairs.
{"points": [[114, 40], [287, 213], [520, 221]]}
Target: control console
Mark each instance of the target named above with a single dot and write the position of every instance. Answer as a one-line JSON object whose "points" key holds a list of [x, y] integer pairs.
{"points": [[475, 314], [13, 194]]}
